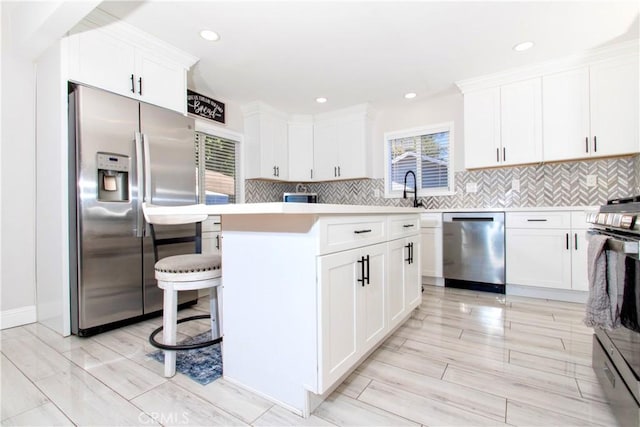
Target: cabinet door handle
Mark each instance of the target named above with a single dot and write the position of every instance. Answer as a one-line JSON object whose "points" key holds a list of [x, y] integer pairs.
{"points": [[361, 262], [274, 171], [362, 231], [567, 240], [411, 252], [408, 225], [335, 171], [575, 241], [140, 86], [218, 241], [536, 220], [408, 258], [277, 170], [368, 275], [339, 171], [595, 144], [504, 154], [586, 144], [133, 89], [497, 155], [311, 174]]}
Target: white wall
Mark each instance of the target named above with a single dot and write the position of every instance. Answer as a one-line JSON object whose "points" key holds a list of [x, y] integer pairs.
{"points": [[29, 29], [17, 169], [415, 113]]}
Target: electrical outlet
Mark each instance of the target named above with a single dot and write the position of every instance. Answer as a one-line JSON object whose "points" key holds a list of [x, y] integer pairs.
{"points": [[515, 184], [376, 192], [592, 180], [472, 187]]}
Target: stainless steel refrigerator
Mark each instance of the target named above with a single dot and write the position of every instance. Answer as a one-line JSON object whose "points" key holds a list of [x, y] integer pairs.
{"points": [[122, 152]]}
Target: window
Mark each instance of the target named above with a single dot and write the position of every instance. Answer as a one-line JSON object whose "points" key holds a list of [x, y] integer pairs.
{"points": [[427, 152], [217, 169]]}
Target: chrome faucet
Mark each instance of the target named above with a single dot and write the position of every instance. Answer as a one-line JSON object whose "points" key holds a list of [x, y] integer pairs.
{"points": [[415, 191]]}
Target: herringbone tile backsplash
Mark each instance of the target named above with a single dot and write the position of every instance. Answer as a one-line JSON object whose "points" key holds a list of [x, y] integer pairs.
{"points": [[553, 184]]}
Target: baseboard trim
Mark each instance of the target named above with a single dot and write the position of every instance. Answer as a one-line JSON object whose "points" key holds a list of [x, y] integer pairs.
{"points": [[548, 293], [18, 317]]}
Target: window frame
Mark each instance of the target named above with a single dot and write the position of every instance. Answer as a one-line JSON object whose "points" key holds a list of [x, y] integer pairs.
{"points": [[220, 132], [414, 132]]}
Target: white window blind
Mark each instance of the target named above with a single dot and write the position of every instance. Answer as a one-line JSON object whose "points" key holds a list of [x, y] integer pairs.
{"points": [[217, 169], [426, 152]]}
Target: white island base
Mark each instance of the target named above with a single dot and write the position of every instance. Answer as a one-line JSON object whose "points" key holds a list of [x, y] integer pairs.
{"points": [[310, 291]]}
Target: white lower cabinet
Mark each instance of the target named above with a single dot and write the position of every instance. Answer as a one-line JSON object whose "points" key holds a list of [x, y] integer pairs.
{"points": [[404, 277], [352, 307], [579, 268], [547, 249], [538, 257], [211, 236], [431, 245], [321, 298]]}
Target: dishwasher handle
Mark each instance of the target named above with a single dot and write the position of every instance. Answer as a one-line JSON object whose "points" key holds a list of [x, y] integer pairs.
{"points": [[472, 219]]}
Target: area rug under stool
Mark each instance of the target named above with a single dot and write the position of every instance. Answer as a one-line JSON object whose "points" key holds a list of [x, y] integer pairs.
{"points": [[203, 365]]}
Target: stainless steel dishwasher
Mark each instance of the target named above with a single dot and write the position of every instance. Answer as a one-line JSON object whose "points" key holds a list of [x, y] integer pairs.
{"points": [[473, 250]]}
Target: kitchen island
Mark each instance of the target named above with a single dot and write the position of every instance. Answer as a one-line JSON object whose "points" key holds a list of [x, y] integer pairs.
{"points": [[310, 290]]}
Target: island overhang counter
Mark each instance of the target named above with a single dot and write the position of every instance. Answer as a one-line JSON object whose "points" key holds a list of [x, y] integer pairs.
{"points": [[310, 290]]}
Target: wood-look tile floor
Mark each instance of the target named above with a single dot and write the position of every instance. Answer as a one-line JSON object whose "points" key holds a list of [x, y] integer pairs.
{"points": [[465, 358]]}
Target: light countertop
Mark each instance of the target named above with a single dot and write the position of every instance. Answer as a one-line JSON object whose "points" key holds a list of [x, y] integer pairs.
{"points": [[282, 208], [518, 209]]}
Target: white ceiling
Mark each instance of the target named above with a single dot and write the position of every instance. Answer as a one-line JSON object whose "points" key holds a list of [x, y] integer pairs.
{"points": [[288, 53]]}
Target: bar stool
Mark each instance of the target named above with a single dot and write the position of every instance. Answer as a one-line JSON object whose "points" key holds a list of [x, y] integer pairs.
{"points": [[184, 273]]}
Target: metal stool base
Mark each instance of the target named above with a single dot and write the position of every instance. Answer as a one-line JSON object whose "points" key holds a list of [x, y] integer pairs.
{"points": [[155, 343]]}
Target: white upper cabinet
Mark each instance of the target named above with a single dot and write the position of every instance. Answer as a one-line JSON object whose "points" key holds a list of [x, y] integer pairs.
{"points": [[503, 125], [266, 147], [482, 128], [565, 98], [521, 122], [121, 59], [160, 82], [300, 137], [614, 106], [340, 147], [592, 110], [574, 108]]}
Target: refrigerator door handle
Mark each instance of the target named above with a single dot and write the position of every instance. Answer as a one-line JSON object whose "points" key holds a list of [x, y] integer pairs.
{"points": [[147, 169], [140, 183]]}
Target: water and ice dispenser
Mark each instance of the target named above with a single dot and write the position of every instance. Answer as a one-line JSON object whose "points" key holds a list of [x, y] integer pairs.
{"points": [[113, 177]]}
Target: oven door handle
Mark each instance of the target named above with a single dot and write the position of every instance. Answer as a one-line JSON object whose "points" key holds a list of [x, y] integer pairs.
{"points": [[618, 243]]}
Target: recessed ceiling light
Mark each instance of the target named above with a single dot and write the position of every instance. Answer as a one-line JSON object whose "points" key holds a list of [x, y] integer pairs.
{"points": [[321, 100], [410, 95], [209, 35], [521, 47]]}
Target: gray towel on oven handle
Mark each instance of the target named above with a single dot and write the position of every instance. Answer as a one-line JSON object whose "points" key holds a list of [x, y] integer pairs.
{"points": [[615, 284], [598, 309]]}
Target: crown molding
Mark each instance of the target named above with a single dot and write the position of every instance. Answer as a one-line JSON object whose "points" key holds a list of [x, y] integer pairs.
{"points": [[100, 20], [628, 48]]}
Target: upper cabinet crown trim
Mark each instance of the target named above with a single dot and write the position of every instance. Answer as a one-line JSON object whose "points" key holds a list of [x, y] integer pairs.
{"points": [[358, 109], [549, 67], [257, 107], [99, 19]]}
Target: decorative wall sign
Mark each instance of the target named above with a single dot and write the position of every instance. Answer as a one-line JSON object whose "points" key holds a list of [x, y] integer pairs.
{"points": [[205, 107]]}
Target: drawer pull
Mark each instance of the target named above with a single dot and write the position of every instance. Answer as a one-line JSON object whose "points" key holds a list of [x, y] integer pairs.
{"points": [[408, 225], [537, 220], [362, 231]]}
